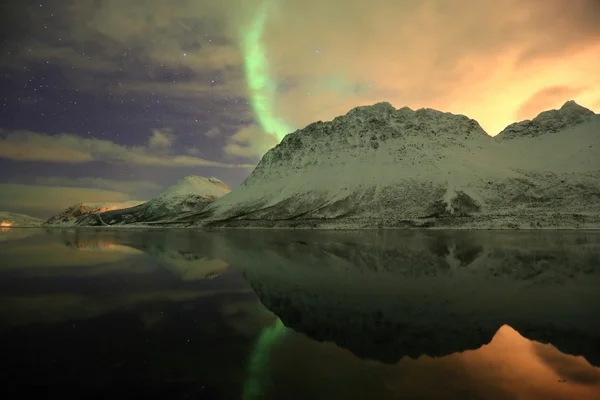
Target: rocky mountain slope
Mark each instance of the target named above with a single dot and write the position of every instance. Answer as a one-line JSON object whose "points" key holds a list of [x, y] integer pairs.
{"points": [[8, 219], [569, 115], [378, 166], [71, 215], [190, 194]]}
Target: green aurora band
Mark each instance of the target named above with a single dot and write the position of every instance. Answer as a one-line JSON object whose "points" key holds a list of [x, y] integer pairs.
{"points": [[261, 86]]}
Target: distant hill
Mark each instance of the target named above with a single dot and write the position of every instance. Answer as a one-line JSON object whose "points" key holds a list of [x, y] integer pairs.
{"points": [[190, 194], [70, 216], [8, 219]]}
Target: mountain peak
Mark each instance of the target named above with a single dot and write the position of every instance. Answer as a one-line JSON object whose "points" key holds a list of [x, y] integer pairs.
{"points": [[379, 128], [569, 115], [382, 108], [197, 185], [195, 179], [572, 105]]}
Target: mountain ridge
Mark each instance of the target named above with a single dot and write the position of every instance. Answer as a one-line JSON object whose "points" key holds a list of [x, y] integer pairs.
{"points": [[191, 193], [71, 214], [378, 166], [550, 121], [382, 167]]}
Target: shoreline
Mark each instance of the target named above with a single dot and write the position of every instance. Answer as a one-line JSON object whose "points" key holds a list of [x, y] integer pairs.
{"points": [[326, 229]]}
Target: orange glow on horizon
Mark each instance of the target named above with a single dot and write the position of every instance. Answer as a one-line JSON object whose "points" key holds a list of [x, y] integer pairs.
{"points": [[110, 208], [6, 224]]}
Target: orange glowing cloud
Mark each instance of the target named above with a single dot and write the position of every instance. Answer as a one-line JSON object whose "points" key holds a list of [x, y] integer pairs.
{"points": [[546, 99], [6, 224], [497, 62]]}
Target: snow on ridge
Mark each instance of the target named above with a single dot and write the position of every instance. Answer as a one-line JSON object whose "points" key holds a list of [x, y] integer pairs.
{"points": [[108, 206], [384, 165], [366, 150], [569, 115], [197, 186], [424, 116], [189, 193], [379, 139]]}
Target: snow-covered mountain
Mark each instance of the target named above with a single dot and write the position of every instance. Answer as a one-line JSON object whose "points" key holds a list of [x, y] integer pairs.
{"points": [[552, 121], [8, 219], [71, 215], [378, 166], [190, 194]]}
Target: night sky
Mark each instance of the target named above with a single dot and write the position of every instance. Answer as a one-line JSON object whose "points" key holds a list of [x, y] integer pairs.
{"points": [[114, 100]]}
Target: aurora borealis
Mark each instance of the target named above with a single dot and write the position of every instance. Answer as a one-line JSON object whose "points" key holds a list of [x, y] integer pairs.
{"points": [[262, 88]]}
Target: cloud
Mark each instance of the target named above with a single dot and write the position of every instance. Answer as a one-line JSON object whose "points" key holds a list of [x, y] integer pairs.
{"points": [[44, 201], [69, 148], [133, 47], [478, 58], [40, 51], [482, 59], [182, 91], [131, 187], [546, 99], [161, 139], [250, 142], [213, 132], [188, 32]]}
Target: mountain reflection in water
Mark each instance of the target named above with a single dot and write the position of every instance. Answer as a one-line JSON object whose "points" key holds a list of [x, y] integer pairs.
{"points": [[296, 315]]}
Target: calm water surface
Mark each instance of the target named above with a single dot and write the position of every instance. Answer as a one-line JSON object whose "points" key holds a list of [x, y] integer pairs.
{"points": [[299, 315]]}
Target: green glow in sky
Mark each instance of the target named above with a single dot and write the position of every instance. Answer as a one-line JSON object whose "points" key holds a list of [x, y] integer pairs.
{"points": [[261, 85]]}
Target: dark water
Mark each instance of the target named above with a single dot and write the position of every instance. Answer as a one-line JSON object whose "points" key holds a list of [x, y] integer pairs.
{"points": [[299, 315]]}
